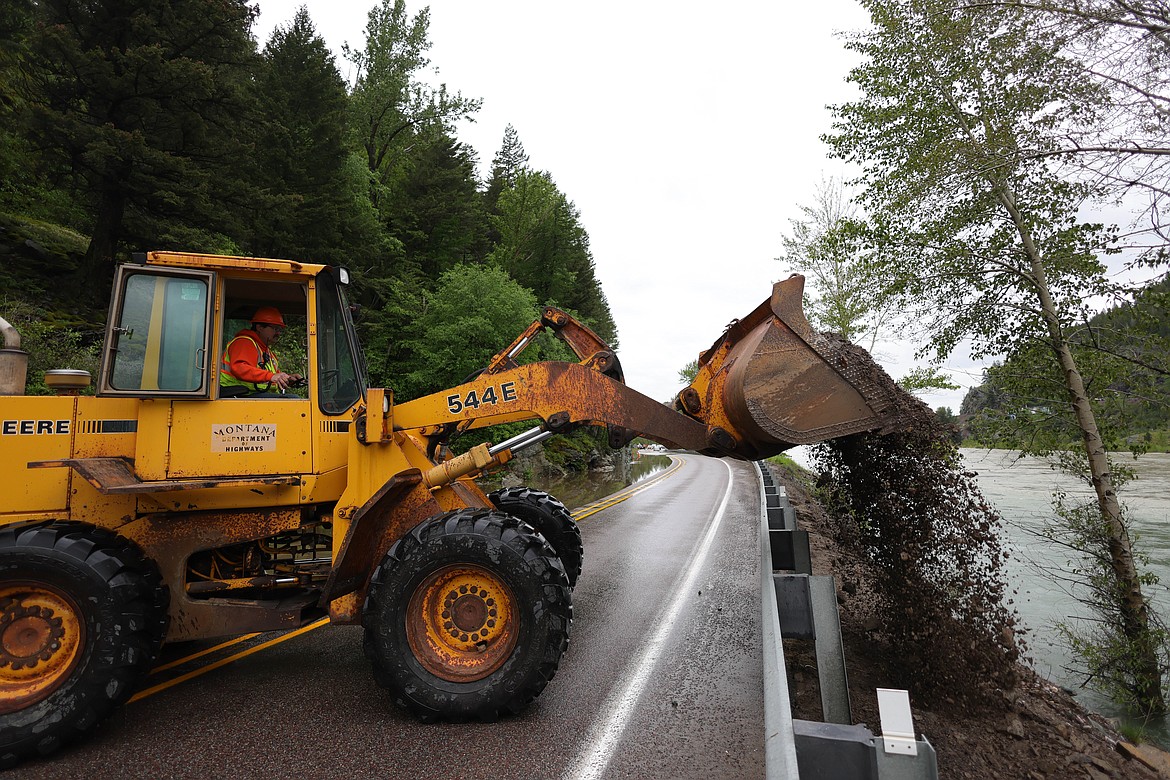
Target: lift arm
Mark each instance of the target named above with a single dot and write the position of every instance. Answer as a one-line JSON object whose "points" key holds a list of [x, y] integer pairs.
{"points": [[770, 382]]}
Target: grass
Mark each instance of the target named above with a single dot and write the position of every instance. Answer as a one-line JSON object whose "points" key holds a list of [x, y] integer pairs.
{"points": [[790, 467]]}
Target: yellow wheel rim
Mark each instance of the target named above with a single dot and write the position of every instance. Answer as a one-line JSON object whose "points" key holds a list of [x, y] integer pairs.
{"points": [[41, 640], [461, 623]]}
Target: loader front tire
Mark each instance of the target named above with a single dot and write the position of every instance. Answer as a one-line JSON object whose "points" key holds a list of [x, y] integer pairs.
{"points": [[82, 614], [551, 518], [467, 617]]}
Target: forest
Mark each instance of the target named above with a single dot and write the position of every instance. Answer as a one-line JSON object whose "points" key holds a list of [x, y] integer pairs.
{"points": [[130, 126], [1128, 402]]}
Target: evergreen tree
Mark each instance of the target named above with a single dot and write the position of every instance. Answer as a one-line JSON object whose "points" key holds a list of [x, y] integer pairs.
{"points": [[138, 103], [314, 206], [15, 22], [16, 158], [509, 161], [436, 210], [545, 248]]}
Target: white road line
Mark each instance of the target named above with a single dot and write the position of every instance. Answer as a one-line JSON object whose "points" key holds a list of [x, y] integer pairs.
{"points": [[602, 738]]}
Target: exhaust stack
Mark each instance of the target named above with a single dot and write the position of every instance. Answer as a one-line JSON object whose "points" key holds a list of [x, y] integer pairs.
{"points": [[13, 362]]}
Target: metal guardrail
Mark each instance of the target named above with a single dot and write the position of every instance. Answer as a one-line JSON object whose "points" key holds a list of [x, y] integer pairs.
{"points": [[779, 741], [797, 605]]}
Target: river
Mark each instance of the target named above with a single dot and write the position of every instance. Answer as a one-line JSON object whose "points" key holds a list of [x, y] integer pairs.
{"points": [[578, 490], [1022, 489]]}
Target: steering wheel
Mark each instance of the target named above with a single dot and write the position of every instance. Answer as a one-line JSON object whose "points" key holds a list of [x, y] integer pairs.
{"points": [[329, 380]]}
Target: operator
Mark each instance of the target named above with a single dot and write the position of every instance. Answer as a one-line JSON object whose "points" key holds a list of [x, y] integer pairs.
{"points": [[248, 367]]}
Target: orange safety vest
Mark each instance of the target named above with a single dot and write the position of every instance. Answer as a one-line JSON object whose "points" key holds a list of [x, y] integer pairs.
{"points": [[265, 361]]}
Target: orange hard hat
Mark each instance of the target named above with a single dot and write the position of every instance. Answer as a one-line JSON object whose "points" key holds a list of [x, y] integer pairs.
{"points": [[269, 315]]}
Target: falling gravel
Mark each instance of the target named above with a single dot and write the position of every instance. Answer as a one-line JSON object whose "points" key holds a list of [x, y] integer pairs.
{"points": [[904, 502]]}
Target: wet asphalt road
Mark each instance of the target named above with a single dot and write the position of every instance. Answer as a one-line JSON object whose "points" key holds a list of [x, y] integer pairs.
{"points": [[662, 678]]}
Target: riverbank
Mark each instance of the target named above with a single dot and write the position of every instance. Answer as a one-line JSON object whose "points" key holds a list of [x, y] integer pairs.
{"points": [[1037, 731]]}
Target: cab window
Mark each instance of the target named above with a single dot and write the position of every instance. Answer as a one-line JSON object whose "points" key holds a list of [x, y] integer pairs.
{"points": [[242, 298], [159, 336], [340, 375]]}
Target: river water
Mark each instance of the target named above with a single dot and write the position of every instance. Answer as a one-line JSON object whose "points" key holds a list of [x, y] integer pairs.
{"points": [[579, 490], [1021, 489]]}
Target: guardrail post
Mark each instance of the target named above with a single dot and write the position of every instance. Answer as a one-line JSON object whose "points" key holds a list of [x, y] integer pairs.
{"points": [[801, 606], [834, 681], [790, 550], [807, 606], [834, 751]]}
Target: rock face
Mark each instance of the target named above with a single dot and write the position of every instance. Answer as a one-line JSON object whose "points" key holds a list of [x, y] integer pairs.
{"points": [[533, 466], [1036, 731]]}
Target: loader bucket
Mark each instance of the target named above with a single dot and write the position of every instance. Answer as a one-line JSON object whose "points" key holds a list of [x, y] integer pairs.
{"points": [[772, 382]]}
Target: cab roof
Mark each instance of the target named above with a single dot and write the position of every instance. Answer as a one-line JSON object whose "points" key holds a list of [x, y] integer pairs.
{"points": [[228, 263]]}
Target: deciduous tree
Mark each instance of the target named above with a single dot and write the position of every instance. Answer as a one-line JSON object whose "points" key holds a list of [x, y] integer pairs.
{"points": [[847, 291], [390, 105], [474, 312], [843, 293], [986, 242], [1124, 48]]}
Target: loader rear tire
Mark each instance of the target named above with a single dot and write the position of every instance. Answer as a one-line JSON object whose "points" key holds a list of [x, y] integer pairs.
{"points": [[551, 518], [467, 617], [82, 615]]}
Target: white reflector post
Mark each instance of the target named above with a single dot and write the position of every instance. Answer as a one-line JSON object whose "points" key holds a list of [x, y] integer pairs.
{"points": [[897, 723]]}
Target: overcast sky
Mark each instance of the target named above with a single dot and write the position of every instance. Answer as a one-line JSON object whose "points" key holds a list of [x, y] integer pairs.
{"points": [[686, 133]]}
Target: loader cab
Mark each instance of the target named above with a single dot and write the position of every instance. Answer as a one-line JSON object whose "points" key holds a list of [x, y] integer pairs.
{"points": [[165, 336], [170, 320]]}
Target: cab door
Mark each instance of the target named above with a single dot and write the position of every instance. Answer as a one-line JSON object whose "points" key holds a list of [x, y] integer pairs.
{"points": [[158, 348], [160, 338], [240, 437]]}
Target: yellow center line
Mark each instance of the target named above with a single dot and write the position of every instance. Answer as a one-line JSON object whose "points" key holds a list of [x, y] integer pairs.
{"points": [[225, 661], [201, 653], [580, 514]]}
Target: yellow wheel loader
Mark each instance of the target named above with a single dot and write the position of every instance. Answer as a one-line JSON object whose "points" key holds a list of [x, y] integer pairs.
{"points": [[160, 510]]}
